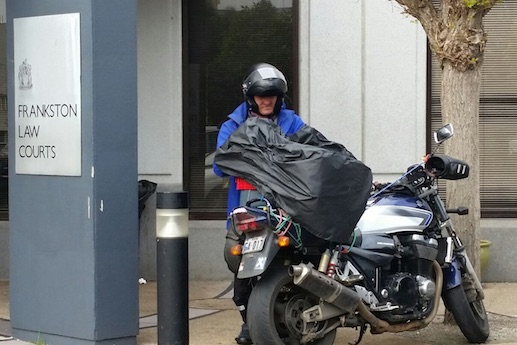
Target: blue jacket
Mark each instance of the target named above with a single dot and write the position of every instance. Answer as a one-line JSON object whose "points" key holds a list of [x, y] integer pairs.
{"points": [[288, 121]]}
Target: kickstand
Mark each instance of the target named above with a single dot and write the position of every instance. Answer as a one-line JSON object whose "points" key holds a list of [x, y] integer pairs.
{"points": [[361, 333]]}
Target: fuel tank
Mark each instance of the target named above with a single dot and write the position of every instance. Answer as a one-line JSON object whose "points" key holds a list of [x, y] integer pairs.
{"points": [[395, 213]]}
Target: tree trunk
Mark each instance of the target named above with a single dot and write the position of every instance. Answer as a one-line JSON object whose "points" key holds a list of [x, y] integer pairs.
{"points": [[460, 106], [457, 38]]}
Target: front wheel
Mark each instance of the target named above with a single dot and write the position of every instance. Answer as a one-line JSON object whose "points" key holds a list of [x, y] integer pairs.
{"points": [[274, 313], [471, 317]]}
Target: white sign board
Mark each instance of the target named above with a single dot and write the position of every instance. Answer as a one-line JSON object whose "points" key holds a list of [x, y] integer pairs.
{"points": [[47, 84]]}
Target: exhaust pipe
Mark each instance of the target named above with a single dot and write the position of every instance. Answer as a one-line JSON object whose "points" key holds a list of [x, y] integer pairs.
{"points": [[322, 286], [332, 292]]}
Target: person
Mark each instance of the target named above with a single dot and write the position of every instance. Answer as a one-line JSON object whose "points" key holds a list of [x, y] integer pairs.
{"points": [[264, 88]]}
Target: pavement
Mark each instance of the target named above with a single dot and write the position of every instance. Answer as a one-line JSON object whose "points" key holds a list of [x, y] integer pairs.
{"points": [[213, 319]]}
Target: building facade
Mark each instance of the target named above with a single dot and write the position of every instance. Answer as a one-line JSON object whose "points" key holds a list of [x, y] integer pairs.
{"points": [[359, 71]]}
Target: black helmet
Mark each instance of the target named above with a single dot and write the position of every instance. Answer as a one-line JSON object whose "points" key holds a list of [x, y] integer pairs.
{"points": [[264, 79]]}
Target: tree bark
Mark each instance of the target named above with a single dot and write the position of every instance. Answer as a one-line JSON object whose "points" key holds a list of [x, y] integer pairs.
{"points": [[460, 106]]}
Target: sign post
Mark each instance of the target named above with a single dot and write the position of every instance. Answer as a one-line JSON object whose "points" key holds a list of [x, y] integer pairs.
{"points": [[73, 197]]}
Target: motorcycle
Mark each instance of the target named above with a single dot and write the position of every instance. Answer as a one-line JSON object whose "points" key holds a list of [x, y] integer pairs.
{"points": [[402, 257]]}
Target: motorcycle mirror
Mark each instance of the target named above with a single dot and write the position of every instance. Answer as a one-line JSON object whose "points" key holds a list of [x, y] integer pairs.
{"points": [[443, 133]]}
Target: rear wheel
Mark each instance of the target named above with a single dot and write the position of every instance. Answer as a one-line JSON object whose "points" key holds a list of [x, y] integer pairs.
{"points": [[274, 312], [471, 317]]}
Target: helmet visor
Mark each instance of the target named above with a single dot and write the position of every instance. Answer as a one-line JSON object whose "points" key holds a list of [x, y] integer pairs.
{"points": [[265, 81], [267, 73]]}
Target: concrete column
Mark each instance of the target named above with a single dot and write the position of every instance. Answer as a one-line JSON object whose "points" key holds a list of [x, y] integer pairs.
{"points": [[73, 226]]}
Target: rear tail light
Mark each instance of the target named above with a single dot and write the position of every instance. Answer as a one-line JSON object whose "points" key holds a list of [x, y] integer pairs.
{"points": [[248, 225], [245, 221]]}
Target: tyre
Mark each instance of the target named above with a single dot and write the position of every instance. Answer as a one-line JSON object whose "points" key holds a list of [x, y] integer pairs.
{"points": [[471, 317], [274, 311]]}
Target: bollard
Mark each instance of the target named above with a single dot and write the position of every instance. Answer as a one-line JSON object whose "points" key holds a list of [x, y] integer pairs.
{"points": [[172, 266]]}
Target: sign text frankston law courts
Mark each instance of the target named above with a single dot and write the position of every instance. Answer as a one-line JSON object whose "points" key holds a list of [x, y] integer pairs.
{"points": [[47, 65]]}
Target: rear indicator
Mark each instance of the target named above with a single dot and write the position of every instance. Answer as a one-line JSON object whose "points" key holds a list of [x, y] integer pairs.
{"points": [[236, 250], [283, 241]]}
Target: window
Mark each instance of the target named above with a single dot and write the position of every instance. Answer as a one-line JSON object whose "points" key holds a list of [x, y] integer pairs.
{"points": [[225, 37], [497, 112]]}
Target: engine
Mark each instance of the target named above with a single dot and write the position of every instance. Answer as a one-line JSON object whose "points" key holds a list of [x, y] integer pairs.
{"points": [[408, 291], [403, 286], [407, 286]]}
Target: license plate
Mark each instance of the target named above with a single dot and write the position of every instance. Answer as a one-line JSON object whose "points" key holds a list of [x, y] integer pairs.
{"points": [[253, 244]]}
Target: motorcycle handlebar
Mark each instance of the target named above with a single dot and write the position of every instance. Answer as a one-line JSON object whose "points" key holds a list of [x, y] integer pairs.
{"points": [[460, 210]]}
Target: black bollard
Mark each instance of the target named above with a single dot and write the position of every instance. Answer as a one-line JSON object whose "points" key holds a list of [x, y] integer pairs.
{"points": [[172, 266]]}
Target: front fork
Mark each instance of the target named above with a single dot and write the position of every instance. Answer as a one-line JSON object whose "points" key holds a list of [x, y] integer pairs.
{"points": [[456, 257], [455, 249]]}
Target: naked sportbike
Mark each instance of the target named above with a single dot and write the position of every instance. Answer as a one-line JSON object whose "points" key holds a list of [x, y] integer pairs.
{"points": [[402, 258]]}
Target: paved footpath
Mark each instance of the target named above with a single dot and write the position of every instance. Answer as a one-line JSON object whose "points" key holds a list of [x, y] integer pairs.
{"points": [[214, 320]]}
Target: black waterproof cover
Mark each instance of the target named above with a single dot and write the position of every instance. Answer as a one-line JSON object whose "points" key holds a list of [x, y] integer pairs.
{"points": [[317, 181]]}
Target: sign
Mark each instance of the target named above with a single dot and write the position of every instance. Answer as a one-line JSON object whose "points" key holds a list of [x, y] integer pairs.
{"points": [[47, 84]]}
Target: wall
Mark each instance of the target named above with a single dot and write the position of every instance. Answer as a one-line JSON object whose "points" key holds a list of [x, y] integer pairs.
{"points": [[160, 109], [206, 243], [360, 84], [363, 80], [501, 265], [160, 105]]}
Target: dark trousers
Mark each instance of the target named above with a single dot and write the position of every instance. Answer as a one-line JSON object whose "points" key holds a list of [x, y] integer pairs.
{"points": [[241, 287], [241, 293]]}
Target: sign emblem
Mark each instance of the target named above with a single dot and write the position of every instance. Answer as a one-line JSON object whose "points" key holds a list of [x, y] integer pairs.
{"points": [[25, 75]]}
